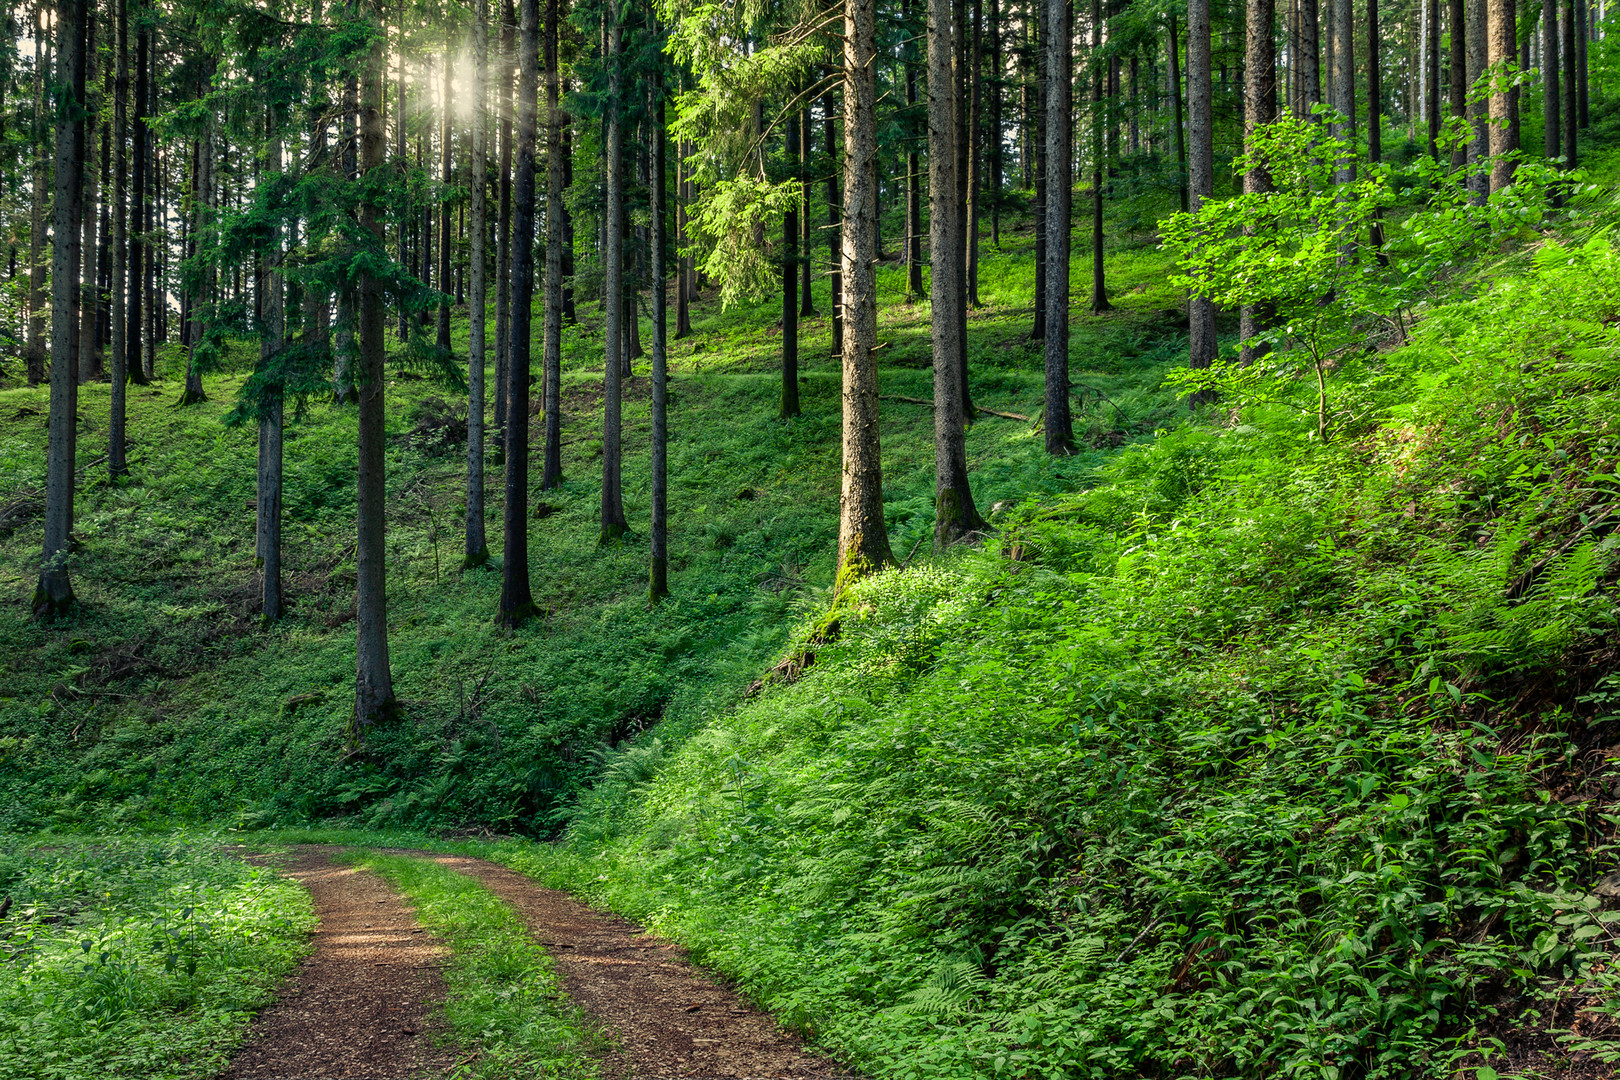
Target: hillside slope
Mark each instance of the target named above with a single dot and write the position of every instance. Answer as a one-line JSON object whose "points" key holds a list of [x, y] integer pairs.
{"points": [[1263, 757]]}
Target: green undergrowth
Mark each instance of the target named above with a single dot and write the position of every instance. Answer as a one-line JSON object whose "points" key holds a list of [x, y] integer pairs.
{"points": [[164, 699], [504, 1003], [134, 957], [1263, 757]]}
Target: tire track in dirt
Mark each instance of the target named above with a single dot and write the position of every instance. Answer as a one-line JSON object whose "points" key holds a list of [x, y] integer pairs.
{"points": [[363, 1003], [667, 1018]]}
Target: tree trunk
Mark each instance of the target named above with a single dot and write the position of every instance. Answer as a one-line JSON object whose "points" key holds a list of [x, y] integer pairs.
{"points": [[551, 473], [54, 593], [914, 285], [477, 547], [1551, 71], [997, 158], [834, 243], [347, 164], [1504, 133], [503, 229], [955, 516], [807, 307], [1582, 29], [790, 281], [973, 180], [569, 315], [613, 521], [1310, 57], [683, 314], [517, 602], [1201, 341], [1479, 146], [1458, 85], [203, 190], [1344, 85], [267, 520], [446, 232], [119, 352], [89, 306], [1259, 109], [1043, 204], [1177, 120], [1099, 283], [374, 683], [863, 538], [1431, 74], [1571, 85], [658, 575], [34, 361], [1059, 193]]}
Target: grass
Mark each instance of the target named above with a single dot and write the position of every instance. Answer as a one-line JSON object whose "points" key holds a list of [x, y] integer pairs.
{"points": [[137, 957], [504, 1002]]}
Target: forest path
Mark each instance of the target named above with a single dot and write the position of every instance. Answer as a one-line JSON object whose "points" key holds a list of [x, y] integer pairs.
{"points": [[667, 1019], [361, 1005]]}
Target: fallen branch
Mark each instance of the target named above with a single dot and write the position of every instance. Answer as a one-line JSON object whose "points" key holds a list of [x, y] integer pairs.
{"points": [[976, 408], [1599, 523]]}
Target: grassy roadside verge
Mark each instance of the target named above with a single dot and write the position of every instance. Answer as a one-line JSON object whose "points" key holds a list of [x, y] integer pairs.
{"points": [[505, 1004], [137, 957]]}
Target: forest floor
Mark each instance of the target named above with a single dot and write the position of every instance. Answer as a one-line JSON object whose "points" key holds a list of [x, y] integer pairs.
{"points": [[366, 1001]]}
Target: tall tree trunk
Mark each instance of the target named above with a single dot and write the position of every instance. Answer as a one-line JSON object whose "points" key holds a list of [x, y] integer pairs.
{"points": [[1551, 71], [551, 473], [613, 521], [34, 361], [1344, 86], [401, 151], [1310, 57], [1431, 74], [1504, 132], [1043, 203], [119, 351], [267, 520], [658, 575], [348, 165], [955, 516], [913, 164], [374, 683], [1259, 110], [1479, 147], [1458, 84], [1375, 92], [1571, 85], [1201, 341], [997, 157], [1177, 120], [1099, 283], [477, 546], [834, 242], [1582, 29], [1059, 192], [89, 306], [974, 179], [446, 230], [789, 405], [807, 307], [863, 538], [683, 313], [517, 602], [203, 192], [569, 315], [503, 228], [143, 259], [54, 593]]}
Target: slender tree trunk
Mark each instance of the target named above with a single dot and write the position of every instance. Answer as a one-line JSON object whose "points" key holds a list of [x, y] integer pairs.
{"points": [[446, 229], [1571, 85], [1310, 57], [1177, 120], [1551, 71], [551, 473], [863, 538], [54, 593], [401, 152], [1504, 133], [658, 575], [683, 314], [997, 157], [203, 191], [517, 602], [267, 520], [1344, 85], [807, 307], [1201, 167], [477, 546], [1457, 100], [503, 229], [89, 306], [974, 179], [1479, 147], [569, 315], [789, 405], [1582, 15], [955, 516], [374, 683], [914, 286], [1375, 99], [348, 165], [1059, 192], [834, 243], [613, 521], [1043, 191], [119, 350], [1259, 110], [1099, 282], [34, 361], [1431, 73]]}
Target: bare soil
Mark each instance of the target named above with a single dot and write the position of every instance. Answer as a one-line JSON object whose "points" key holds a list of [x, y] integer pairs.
{"points": [[666, 1018], [361, 1005]]}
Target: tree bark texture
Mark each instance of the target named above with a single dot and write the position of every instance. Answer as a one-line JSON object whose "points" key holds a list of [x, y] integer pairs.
{"points": [[476, 546], [613, 520], [1201, 166], [658, 572], [551, 470], [1059, 193]]}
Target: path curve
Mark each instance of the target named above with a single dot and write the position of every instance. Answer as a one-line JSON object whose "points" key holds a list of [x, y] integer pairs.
{"points": [[363, 1003], [667, 1018]]}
